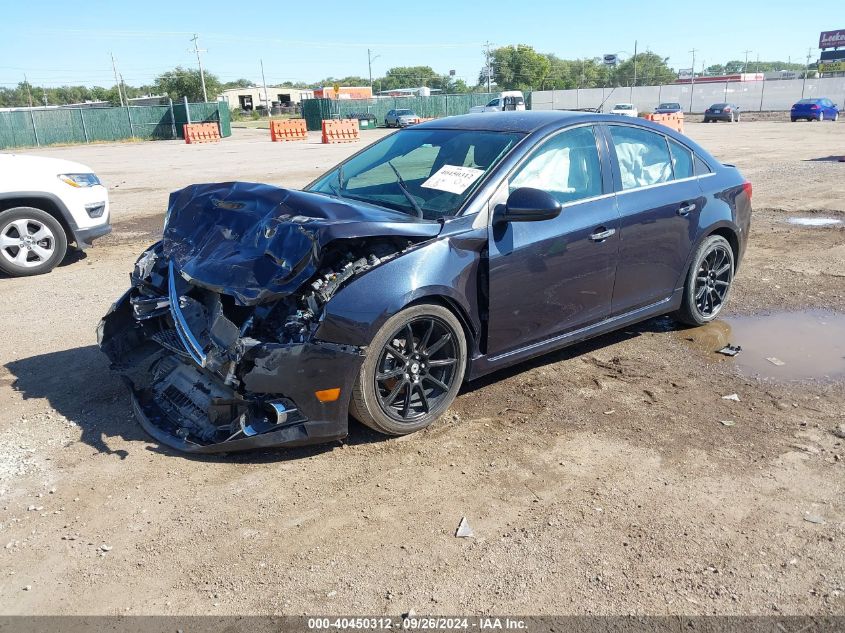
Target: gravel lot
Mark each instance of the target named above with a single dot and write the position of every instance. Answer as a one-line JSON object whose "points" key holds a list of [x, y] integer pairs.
{"points": [[601, 479]]}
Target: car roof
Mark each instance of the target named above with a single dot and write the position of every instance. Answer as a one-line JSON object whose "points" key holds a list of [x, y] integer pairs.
{"points": [[541, 122], [525, 121]]}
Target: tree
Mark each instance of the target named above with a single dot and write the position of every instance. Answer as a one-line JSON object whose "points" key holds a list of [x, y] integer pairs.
{"points": [[652, 70], [352, 80], [517, 67], [184, 82], [410, 77], [238, 83]]}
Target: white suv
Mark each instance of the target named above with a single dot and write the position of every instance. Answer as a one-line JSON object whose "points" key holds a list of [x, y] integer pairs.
{"points": [[45, 203]]}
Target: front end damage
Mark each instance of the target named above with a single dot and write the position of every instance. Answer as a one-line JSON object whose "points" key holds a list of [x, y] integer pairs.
{"points": [[213, 368]]}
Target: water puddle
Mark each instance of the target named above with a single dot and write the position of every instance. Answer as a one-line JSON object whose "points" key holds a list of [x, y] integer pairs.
{"points": [[783, 346], [814, 221]]}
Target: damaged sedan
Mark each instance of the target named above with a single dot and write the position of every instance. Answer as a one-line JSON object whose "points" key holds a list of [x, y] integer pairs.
{"points": [[267, 316]]}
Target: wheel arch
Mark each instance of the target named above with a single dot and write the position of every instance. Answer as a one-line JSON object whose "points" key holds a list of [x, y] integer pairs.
{"points": [[722, 229], [461, 315], [47, 203]]}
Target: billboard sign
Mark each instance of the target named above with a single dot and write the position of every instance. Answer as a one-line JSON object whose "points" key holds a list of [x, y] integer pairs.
{"points": [[610, 59], [685, 73], [832, 39], [832, 67]]}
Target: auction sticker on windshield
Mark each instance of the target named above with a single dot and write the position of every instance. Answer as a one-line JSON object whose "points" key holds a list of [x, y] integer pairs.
{"points": [[453, 179]]}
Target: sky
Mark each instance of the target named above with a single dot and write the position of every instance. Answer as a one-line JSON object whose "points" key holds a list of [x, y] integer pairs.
{"points": [[60, 43]]}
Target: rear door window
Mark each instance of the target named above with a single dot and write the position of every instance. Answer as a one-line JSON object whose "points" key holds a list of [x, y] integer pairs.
{"points": [[643, 156]]}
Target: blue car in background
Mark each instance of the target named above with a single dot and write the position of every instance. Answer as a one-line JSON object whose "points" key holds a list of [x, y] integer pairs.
{"points": [[668, 108], [814, 110]]}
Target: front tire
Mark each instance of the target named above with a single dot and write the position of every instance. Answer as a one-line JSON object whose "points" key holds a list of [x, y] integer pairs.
{"points": [[413, 370], [708, 282], [32, 242], [821, 117]]}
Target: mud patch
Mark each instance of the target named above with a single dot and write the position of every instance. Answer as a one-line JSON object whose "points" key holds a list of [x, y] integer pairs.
{"points": [[788, 346]]}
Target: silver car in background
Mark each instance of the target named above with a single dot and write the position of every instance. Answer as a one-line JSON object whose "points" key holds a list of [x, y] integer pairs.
{"points": [[400, 118]]}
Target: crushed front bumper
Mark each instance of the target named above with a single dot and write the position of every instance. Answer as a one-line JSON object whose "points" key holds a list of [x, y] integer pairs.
{"points": [[188, 398]]}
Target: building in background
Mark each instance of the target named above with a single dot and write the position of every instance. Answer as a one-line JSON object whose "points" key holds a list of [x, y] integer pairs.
{"points": [[344, 92], [252, 98]]}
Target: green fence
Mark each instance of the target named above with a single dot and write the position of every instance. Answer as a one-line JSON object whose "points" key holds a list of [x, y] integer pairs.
{"points": [[314, 111], [36, 127]]}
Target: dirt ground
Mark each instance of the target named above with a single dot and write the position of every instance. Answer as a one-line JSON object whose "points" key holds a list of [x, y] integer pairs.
{"points": [[603, 479]]}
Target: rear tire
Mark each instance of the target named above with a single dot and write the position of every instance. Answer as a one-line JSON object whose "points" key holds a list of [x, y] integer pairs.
{"points": [[413, 370], [708, 283], [32, 242]]}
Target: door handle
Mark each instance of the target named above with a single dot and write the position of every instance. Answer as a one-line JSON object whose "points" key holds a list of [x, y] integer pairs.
{"points": [[686, 209], [602, 235]]}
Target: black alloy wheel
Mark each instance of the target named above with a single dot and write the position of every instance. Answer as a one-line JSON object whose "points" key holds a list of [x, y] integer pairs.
{"points": [[708, 282], [416, 369], [413, 370], [713, 280]]}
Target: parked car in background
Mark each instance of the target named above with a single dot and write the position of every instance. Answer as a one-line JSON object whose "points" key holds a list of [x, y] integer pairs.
{"points": [[625, 109], [45, 203], [508, 100], [437, 255], [668, 108], [400, 118], [722, 112], [814, 110]]}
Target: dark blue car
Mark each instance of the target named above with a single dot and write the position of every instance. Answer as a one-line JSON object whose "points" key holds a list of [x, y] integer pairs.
{"points": [[814, 110], [441, 253]]}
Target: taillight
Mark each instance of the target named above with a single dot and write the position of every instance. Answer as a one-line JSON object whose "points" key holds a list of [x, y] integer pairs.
{"points": [[727, 110], [746, 187], [814, 107]]}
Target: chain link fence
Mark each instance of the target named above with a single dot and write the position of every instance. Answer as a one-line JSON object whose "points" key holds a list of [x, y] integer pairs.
{"points": [[34, 127]]}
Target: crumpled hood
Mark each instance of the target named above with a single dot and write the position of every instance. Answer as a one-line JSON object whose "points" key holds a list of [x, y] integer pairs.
{"points": [[259, 243]]}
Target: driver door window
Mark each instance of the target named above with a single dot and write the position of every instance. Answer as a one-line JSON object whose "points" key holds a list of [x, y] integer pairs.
{"points": [[567, 166]]}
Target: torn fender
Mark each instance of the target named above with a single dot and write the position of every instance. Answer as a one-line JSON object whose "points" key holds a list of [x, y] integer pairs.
{"points": [[259, 243]]}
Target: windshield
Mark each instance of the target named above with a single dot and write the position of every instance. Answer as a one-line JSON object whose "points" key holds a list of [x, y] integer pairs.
{"points": [[623, 106], [805, 101], [667, 106], [402, 112], [419, 172]]}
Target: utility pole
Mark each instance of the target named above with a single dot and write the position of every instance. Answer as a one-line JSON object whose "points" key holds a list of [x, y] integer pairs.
{"points": [[692, 79], [28, 90], [745, 67], [806, 70], [757, 65], [488, 67], [116, 82], [635, 63], [266, 100], [199, 50]]}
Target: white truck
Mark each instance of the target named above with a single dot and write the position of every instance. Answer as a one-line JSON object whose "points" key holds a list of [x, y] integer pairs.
{"points": [[46, 203], [507, 100]]}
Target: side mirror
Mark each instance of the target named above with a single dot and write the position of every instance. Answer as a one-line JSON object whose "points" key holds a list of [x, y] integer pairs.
{"points": [[527, 204]]}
